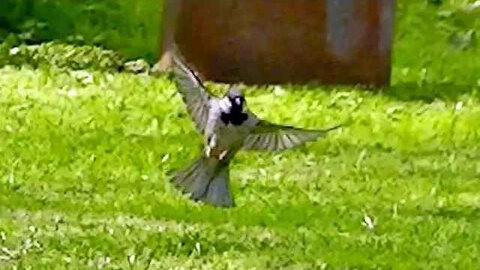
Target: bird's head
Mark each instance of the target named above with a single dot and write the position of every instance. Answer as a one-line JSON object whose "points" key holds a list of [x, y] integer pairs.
{"points": [[236, 97]]}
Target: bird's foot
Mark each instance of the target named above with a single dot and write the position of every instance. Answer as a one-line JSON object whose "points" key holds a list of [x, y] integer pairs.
{"points": [[208, 151]]}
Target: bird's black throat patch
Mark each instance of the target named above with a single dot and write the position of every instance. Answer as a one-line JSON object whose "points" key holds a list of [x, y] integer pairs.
{"points": [[234, 118]]}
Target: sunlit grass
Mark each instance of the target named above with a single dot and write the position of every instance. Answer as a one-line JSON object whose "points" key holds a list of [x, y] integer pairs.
{"points": [[85, 166]]}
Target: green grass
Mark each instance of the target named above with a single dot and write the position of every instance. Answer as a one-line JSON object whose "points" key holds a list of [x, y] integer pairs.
{"points": [[85, 156], [84, 165], [130, 27]]}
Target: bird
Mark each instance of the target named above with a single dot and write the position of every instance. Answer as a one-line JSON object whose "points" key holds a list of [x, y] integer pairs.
{"points": [[228, 127]]}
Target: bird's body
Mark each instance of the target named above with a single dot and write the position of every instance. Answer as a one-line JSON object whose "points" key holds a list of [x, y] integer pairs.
{"points": [[228, 127], [225, 131]]}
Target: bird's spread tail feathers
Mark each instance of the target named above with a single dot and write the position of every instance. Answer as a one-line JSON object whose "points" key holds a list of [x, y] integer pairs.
{"points": [[207, 180]]}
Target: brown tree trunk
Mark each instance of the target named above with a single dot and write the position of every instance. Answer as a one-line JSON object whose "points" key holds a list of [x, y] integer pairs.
{"points": [[283, 41]]}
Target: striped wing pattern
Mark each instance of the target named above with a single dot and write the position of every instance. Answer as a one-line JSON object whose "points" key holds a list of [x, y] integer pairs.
{"points": [[272, 137], [194, 93]]}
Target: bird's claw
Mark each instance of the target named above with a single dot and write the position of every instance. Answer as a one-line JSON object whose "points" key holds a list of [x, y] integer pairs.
{"points": [[208, 153]]}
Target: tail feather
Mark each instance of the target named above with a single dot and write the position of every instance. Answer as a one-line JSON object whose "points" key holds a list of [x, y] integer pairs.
{"points": [[218, 192], [206, 180]]}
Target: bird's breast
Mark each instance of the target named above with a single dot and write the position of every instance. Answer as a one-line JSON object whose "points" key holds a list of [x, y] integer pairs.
{"points": [[231, 136]]}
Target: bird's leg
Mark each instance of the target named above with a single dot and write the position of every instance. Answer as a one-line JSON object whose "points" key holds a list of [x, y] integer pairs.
{"points": [[223, 155], [210, 144]]}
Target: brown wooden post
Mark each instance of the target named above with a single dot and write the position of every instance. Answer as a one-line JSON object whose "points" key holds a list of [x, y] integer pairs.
{"points": [[283, 41]]}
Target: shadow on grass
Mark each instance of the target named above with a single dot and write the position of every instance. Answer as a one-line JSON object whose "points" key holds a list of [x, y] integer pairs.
{"points": [[428, 92], [403, 91], [469, 213]]}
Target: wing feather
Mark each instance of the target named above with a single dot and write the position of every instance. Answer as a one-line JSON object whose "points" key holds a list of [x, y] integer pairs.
{"points": [[194, 93], [273, 137]]}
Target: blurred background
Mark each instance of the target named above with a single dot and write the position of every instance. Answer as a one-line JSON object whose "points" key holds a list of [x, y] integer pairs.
{"points": [[133, 28]]}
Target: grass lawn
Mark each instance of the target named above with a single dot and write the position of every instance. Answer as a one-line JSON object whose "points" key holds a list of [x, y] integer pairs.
{"points": [[85, 157]]}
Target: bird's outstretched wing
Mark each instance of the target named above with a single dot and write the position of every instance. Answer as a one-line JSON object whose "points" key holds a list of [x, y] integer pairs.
{"points": [[194, 93], [273, 137]]}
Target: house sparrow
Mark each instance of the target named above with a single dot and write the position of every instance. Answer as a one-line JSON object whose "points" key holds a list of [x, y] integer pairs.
{"points": [[228, 126]]}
